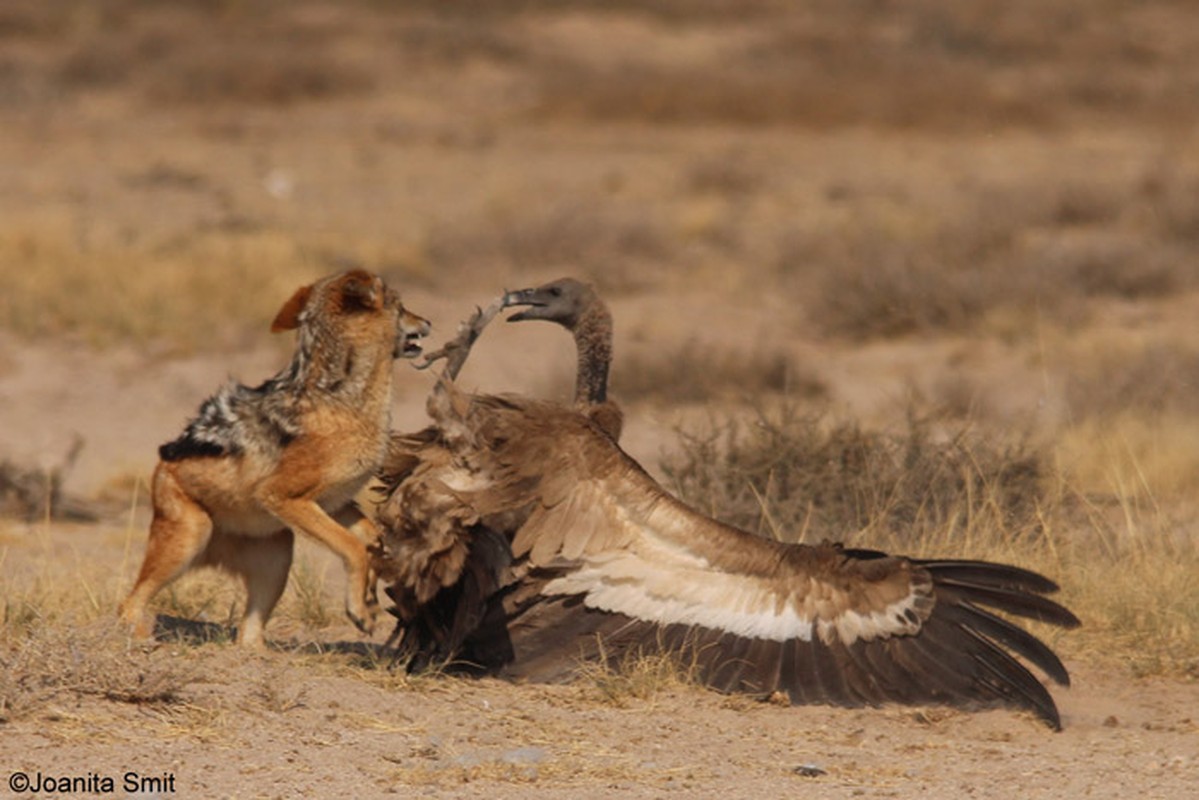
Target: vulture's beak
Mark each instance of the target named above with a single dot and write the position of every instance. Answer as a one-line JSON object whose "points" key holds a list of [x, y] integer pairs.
{"points": [[524, 297]]}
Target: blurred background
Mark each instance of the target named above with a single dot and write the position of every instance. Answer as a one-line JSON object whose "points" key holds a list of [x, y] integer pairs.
{"points": [[879, 168]]}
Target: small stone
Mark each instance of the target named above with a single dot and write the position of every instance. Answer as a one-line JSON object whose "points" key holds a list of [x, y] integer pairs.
{"points": [[524, 755]]}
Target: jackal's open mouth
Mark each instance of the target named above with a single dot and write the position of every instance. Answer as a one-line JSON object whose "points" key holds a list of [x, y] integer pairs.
{"points": [[409, 345]]}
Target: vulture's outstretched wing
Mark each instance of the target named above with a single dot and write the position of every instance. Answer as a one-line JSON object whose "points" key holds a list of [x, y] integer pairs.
{"points": [[603, 562]]}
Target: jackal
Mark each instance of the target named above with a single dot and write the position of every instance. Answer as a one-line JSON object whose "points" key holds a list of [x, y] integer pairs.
{"points": [[258, 463]]}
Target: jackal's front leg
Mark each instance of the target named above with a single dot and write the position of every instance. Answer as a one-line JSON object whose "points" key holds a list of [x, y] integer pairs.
{"points": [[306, 517]]}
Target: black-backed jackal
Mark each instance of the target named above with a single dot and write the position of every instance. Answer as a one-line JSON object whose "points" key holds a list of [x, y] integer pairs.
{"points": [[258, 463]]}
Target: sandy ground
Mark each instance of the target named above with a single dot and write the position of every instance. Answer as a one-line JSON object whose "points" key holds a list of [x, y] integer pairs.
{"points": [[280, 725]]}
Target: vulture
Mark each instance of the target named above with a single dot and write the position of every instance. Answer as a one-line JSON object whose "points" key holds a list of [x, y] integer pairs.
{"points": [[577, 307], [519, 540]]}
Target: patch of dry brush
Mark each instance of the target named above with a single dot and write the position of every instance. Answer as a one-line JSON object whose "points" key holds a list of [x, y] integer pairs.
{"points": [[1126, 567]]}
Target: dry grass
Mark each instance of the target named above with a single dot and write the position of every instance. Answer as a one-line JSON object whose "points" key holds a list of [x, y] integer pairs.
{"points": [[638, 678], [929, 64], [105, 294], [253, 55], [53, 662], [227, 71], [925, 65], [1033, 249], [167, 246], [1147, 462], [311, 603], [1129, 552], [696, 373], [1143, 378], [800, 477], [1088, 514], [1136, 586]]}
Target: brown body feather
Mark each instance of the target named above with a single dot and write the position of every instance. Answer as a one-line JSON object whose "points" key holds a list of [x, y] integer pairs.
{"points": [[601, 561]]}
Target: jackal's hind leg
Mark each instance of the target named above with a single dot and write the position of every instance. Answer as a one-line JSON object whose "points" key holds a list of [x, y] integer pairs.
{"points": [[263, 563], [179, 534]]}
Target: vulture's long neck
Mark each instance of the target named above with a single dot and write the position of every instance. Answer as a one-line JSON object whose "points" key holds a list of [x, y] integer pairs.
{"points": [[593, 339]]}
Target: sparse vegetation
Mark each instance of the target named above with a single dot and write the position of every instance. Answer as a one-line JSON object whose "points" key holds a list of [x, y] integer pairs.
{"points": [[696, 373], [1126, 567], [923, 489], [1012, 183], [638, 678], [1151, 378], [95, 659], [1029, 251]]}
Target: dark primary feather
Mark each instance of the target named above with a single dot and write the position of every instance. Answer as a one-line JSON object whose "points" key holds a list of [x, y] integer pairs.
{"points": [[958, 658]]}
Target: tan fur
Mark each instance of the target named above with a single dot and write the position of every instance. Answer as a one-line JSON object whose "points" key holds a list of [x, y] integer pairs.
{"points": [[237, 509]]}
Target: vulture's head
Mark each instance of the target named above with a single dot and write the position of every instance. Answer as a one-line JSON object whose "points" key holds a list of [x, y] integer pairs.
{"points": [[563, 301]]}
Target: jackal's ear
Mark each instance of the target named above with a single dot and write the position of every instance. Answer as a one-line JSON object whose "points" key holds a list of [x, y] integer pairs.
{"points": [[361, 289], [288, 317]]}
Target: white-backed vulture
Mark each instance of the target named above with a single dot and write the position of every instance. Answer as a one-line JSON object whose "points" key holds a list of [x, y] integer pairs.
{"points": [[538, 544], [568, 302], [577, 307]]}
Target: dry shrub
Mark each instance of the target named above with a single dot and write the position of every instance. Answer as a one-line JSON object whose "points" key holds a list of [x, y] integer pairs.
{"points": [[637, 678], [929, 64], [880, 291], [67, 660], [449, 37], [698, 372], [1153, 379], [919, 64], [210, 52], [760, 89], [880, 277], [210, 294], [237, 70], [1126, 565], [1020, 250], [731, 174], [255, 73], [802, 478], [31, 19]]}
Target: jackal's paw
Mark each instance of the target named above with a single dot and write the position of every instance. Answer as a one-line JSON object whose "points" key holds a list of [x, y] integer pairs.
{"points": [[365, 623], [137, 622], [365, 615]]}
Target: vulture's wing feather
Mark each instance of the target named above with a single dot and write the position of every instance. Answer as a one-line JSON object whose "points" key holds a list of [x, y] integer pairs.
{"points": [[613, 565]]}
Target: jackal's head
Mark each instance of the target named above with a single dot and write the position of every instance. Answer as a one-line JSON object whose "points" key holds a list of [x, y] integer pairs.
{"points": [[353, 305]]}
